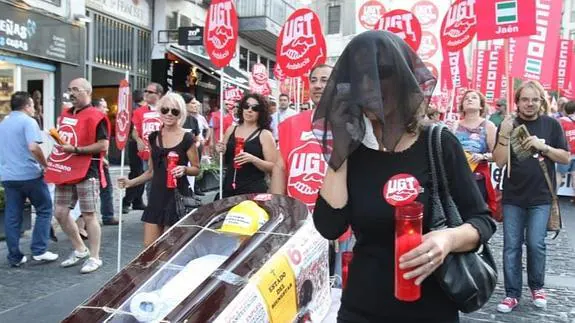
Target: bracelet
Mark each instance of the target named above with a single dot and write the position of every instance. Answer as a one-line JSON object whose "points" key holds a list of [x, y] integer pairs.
{"points": [[504, 145], [503, 136], [76, 150]]}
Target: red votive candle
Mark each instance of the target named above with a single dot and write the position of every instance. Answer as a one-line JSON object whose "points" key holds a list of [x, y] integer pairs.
{"points": [[346, 258], [238, 149], [408, 224]]}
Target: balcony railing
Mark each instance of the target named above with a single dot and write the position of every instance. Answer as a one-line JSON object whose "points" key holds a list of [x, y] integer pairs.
{"points": [[276, 10]]}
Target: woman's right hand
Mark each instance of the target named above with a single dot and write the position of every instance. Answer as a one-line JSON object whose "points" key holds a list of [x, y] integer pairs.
{"points": [[220, 148], [124, 182]]}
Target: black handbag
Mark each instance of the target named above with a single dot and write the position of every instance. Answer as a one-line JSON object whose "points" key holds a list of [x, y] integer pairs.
{"points": [[467, 278], [185, 204]]}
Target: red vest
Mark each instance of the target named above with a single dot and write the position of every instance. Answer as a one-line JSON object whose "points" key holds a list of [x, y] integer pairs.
{"points": [[569, 129], [305, 165], [78, 130], [151, 122]]}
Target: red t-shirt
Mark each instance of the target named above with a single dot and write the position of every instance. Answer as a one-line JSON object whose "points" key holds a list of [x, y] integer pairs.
{"points": [[568, 126], [215, 123]]}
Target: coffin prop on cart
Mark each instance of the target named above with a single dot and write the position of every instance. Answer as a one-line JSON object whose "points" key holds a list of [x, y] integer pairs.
{"points": [[208, 268]]}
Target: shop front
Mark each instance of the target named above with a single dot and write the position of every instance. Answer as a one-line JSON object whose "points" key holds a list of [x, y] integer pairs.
{"points": [[38, 54], [186, 72]]}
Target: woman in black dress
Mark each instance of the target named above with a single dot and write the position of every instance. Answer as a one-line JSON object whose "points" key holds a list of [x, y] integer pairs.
{"points": [[259, 153], [161, 210], [368, 122]]}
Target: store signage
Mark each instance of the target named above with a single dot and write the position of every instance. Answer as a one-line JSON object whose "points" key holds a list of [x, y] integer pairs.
{"points": [[134, 11], [38, 35], [191, 36]]}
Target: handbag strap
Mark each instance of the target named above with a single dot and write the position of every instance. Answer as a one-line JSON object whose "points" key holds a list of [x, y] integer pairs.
{"points": [[453, 218], [437, 216], [544, 168]]}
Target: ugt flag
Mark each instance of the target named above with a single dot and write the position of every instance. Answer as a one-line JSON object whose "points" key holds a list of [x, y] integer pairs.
{"points": [[505, 18]]}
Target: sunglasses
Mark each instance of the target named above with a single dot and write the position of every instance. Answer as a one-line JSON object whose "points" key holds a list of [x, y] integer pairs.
{"points": [[255, 107], [175, 112]]}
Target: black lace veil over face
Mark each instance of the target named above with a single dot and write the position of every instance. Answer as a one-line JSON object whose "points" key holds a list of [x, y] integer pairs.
{"points": [[379, 76]]}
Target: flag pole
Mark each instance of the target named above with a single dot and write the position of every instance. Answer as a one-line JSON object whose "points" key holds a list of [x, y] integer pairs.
{"points": [[120, 215], [222, 76], [509, 98]]}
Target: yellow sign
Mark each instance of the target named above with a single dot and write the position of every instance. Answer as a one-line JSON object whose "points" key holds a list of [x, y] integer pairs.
{"points": [[277, 285]]}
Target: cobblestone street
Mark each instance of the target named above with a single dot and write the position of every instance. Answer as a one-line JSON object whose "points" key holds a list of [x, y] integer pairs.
{"points": [[47, 293]]}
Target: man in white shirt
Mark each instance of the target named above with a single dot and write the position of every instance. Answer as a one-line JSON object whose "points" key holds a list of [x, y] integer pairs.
{"points": [[283, 113]]}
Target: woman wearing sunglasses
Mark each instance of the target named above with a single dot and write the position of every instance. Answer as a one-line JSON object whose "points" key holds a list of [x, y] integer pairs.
{"points": [[161, 210], [246, 170]]}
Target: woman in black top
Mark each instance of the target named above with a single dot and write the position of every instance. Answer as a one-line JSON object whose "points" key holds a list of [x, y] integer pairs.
{"points": [[161, 210], [259, 153], [368, 123]]}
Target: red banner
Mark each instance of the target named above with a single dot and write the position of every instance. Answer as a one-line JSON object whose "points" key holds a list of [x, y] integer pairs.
{"points": [[404, 24], [232, 95], [123, 115], [562, 64], [492, 75], [478, 64], [259, 80], [455, 70], [534, 57], [221, 32], [370, 13], [505, 18], [459, 25], [301, 44]]}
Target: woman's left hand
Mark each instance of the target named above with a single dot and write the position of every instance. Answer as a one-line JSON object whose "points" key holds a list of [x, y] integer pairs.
{"points": [[244, 158], [425, 258], [476, 158], [179, 171]]}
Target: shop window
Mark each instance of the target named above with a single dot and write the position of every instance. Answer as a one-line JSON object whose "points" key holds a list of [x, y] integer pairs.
{"points": [[253, 58], [264, 60], [185, 21], [271, 66], [243, 59], [333, 19], [172, 21]]}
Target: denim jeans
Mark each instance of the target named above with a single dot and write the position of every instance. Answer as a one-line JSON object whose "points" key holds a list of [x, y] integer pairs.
{"points": [[16, 193], [518, 223], [107, 198]]}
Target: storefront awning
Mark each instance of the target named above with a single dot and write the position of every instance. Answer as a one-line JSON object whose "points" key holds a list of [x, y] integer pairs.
{"points": [[203, 63]]}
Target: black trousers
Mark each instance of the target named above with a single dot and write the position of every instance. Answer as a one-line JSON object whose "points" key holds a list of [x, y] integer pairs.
{"points": [[134, 194]]}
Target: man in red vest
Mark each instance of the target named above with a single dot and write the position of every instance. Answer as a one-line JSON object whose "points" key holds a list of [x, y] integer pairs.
{"points": [[146, 120], [305, 166], [76, 167]]}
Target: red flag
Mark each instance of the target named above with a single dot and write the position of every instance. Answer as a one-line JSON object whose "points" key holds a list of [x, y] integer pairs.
{"points": [[455, 70], [123, 116], [563, 64], [404, 24], [505, 18], [459, 25], [301, 44], [478, 63], [534, 57], [259, 80], [493, 73], [569, 92], [221, 32]]}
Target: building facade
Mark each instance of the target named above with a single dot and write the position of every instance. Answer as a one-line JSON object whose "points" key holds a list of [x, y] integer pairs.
{"points": [[41, 50]]}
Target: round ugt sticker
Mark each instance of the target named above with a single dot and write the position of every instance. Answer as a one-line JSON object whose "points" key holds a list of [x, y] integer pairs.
{"points": [[401, 190]]}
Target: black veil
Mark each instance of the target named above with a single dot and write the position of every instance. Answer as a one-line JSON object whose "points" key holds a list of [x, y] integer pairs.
{"points": [[377, 73]]}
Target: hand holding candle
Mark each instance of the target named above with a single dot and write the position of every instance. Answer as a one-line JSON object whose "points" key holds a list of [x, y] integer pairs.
{"points": [[239, 148], [408, 227]]}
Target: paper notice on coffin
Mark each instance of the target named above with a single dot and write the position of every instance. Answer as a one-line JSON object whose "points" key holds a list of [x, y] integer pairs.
{"points": [[294, 282]]}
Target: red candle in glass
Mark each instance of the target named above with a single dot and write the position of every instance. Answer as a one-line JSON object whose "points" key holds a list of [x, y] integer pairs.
{"points": [[171, 180], [408, 227], [238, 149], [346, 258]]}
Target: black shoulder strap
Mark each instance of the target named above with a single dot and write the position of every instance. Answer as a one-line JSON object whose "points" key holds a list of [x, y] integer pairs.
{"points": [[254, 134]]}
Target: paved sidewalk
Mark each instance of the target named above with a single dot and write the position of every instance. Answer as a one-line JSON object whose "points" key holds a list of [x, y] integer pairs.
{"points": [[47, 293]]}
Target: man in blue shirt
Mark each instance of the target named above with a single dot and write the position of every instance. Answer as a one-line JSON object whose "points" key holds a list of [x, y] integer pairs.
{"points": [[21, 172]]}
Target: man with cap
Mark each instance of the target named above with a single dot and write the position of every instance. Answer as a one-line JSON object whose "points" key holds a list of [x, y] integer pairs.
{"points": [[501, 112]]}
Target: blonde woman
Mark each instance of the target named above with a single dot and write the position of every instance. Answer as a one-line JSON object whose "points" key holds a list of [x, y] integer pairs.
{"points": [[161, 210]]}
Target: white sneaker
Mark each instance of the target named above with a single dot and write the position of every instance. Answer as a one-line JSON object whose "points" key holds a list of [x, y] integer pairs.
{"points": [[90, 265], [46, 257], [74, 258], [21, 262]]}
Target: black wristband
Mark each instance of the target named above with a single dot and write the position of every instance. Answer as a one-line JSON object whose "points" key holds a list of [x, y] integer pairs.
{"points": [[76, 150]]}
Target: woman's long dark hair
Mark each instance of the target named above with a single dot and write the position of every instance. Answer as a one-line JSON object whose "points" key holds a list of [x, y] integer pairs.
{"points": [[264, 118]]}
